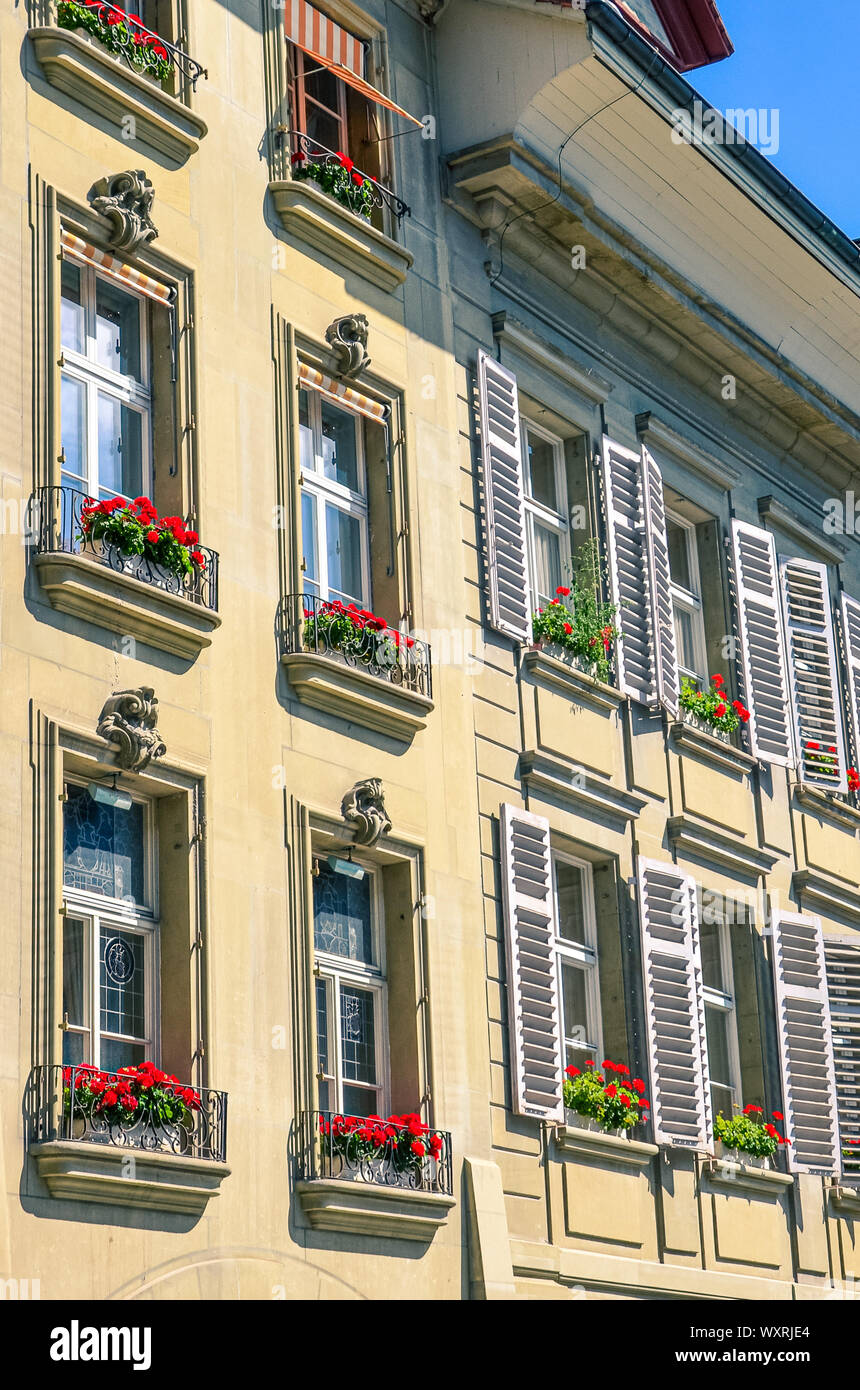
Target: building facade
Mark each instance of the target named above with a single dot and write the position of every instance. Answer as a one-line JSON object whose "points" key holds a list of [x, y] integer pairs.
{"points": [[348, 341]]}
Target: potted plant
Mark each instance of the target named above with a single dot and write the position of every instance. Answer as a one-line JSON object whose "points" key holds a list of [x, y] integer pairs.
{"points": [[134, 1098], [606, 1100], [133, 538], [711, 710], [355, 632], [576, 623], [336, 175], [123, 34], [748, 1138], [354, 1146]]}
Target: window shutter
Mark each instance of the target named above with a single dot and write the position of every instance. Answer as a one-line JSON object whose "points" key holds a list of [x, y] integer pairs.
{"points": [[850, 616], [812, 670], [535, 1028], [843, 992], [668, 683], [629, 570], [501, 450], [680, 1088], [805, 1043], [762, 649]]}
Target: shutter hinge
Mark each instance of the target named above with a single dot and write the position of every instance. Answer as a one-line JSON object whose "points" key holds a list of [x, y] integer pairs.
{"points": [[64, 1026], [201, 1050], [200, 832], [192, 424], [198, 941], [426, 1098], [61, 360]]}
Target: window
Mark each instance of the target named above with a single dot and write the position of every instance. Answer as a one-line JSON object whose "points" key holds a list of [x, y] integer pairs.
{"points": [[335, 561], [105, 399], [576, 951], [686, 597], [842, 955], [351, 1002], [720, 1011], [333, 114], [110, 934], [548, 535]]}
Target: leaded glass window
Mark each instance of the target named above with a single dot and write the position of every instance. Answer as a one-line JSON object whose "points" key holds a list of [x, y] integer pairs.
{"points": [[102, 847]]}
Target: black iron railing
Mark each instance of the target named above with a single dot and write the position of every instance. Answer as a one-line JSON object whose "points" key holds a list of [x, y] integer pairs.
{"points": [[54, 525], [122, 34], [332, 628], [361, 193], [86, 1105], [397, 1152]]}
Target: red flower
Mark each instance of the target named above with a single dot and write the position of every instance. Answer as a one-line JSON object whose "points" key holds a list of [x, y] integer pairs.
{"points": [[638, 1086], [625, 1100], [717, 681], [813, 745], [644, 1105], [199, 558], [720, 709], [610, 1066], [562, 592], [568, 628], [110, 1098], [772, 1131], [345, 161], [298, 157], [611, 1090], [777, 1115], [357, 179], [853, 779], [417, 1148], [753, 1110], [572, 1071], [152, 537], [129, 1102]]}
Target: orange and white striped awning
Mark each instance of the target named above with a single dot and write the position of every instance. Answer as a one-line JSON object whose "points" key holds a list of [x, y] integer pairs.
{"points": [[77, 249], [335, 48], [314, 380]]}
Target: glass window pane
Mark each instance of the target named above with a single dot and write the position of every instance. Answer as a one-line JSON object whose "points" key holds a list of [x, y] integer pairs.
{"points": [[722, 1101], [321, 85], [72, 314], [120, 444], [73, 970], [359, 1100], [116, 1053], [73, 430], [712, 965], [122, 983], [310, 580], [323, 128], [102, 846], [343, 555], [339, 448], [117, 329], [575, 1004], [685, 639], [75, 1049], [679, 554], [717, 1033], [306, 434], [322, 1026], [571, 913], [547, 551], [357, 1038], [541, 482], [342, 920]]}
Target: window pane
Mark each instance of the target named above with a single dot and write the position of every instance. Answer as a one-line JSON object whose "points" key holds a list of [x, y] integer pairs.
{"points": [[359, 1100], [323, 128], [72, 316], [547, 549], [722, 1101], [306, 434], [541, 482], [339, 450], [357, 1038], [75, 1049], [120, 459], [717, 1032], [575, 1004], [343, 554], [712, 965], [571, 917], [685, 639], [321, 85], [102, 846], [73, 970], [73, 430], [116, 1053], [310, 580], [679, 554], [342, 922], [122, 983], [117, 329]]}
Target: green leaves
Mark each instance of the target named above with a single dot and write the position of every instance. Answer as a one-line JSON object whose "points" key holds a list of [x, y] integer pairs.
{"points": [[107, 25], [576, 620], [339, 183]]}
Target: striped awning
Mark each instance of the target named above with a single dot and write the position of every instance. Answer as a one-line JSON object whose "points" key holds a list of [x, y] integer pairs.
{"points": [[335, 48], [314, 380], [79, 250]]}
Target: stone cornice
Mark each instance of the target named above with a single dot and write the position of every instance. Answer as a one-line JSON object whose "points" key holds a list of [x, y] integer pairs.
{"points": [[515, 335], [567, 680], [584, 791], [771, 509], [825, 895], [698, 837], [712, 469], [712, 750]]}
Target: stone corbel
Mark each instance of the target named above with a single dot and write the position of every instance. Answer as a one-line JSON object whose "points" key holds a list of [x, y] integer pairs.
{"points": [[347, 337], [363, 810], [126, 201], [128, 721]]}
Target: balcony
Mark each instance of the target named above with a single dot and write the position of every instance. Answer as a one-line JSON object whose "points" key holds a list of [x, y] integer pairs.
{"points": [[128, 594], [389, 1178], [363, 672], [109, 62], [331, 205], [167, 1153]]}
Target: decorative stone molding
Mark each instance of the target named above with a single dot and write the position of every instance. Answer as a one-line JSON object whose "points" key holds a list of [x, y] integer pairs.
{"points": [[128, 721], [585, 791], [363, 809], [568, 680], [819, 893], [702, 461], [592, 1147], [126, 201], [95, 1173], [846, 1200], [313, 219], [744, 1178], [690, 739], [699, 838], [368, 1209], [770, 509], [827, 804], [347, 338], [355, 696]]}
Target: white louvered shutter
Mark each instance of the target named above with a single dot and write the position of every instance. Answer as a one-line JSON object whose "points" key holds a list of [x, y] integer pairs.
{"points": [[663, 614], [762, 645], [843, 991], [805, 1043], [629, 570], [533, 1007], [505, 534], [850, 618], [674, 1004], [812, 671]]}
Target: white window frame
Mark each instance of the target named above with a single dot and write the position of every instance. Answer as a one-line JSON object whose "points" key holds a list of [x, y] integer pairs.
{"points": [[535, 511], [96, 910], [725, 1000], [690, 600], [335, 971], [322, 490], [84, 368], [583, 956]]}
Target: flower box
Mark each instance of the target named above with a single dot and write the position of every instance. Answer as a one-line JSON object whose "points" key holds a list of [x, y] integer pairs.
{"points": [[739, 1156], [705, 727], [604, 1100], [573, 1119]]}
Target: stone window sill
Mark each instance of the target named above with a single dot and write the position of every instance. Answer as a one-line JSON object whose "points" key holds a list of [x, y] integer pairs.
{"points": [[103, 84], [828, 804], [86, 589], [356, 696], [570, 681], [363, 1208], [593, 1147], [711, 749], [846, 1200], [744, 1178], [83, 1172], [318, 221]]}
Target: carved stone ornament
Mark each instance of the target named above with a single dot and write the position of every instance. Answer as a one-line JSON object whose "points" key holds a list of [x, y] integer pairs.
{"points": [[126, 201], [363, 808], [347, 338], [128, 721]]}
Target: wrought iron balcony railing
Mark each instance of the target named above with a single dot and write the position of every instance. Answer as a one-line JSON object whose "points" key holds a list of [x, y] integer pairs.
{"points": [[388, 1152], [330, 628], [123, 35], [340, 177], [54, 526], [191, 1121]]}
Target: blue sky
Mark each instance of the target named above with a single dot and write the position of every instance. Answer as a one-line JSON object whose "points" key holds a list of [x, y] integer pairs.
{"points": [[799, 58]]}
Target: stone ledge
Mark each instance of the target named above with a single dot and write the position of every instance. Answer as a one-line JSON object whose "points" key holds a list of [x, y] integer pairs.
{"points": [[362, 1208], [318, 221], [823, 894], [823, 803], [711, 750], [846, 1200], [86, 589], [583, 790], [83, 1172], [99, 81], [698, 837], [593, 1147], [744, 1177], [577, 685], [356, 696]]}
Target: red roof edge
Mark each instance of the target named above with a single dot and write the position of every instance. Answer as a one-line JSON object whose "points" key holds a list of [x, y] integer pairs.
{"points": [[697, 32]]}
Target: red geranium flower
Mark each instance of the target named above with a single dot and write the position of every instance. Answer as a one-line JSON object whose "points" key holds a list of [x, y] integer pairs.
{"points": [[562, 592]]}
